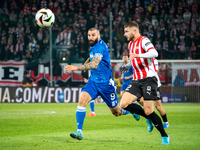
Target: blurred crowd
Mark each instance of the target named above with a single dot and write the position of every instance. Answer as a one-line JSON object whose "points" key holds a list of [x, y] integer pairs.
{"points": [[173, 26]]}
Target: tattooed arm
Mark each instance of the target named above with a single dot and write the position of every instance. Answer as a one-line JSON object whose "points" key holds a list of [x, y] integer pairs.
{"points": [[91, 65]]}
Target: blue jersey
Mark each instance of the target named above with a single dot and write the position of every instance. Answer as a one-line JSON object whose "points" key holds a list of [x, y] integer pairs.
{"points": [[129, 73], [103, 73]]}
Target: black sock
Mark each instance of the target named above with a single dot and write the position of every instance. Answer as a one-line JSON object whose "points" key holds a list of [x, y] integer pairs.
{"points": [[157, 123], [164, 117], [134, 108]]}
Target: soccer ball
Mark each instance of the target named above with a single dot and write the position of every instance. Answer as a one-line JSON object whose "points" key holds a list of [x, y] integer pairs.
{"points": [[45, 18]]}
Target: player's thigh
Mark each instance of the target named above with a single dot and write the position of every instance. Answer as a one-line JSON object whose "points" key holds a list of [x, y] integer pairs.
{"points": [[108, 93], [91, 89], [131, 94], [127, 99], [84, 99]]}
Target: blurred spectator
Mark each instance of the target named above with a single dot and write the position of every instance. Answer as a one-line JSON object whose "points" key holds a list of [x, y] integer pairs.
{"points": [[2, 50], [27, 81], [172, 48], [83, 49], [19, 49], [125, 52], [32, 45], [182, 49], [34, 9], [158, 46], [165, 49], [10, 39], [26, 9], [163, 15], [13, 16], [36, 54], [28, 54], [40, 36], [120, 35], [154, 20], [7, 54], [43, 4], [118, 53], [73, 49], [187, 15], [193, 50], [15, 56], [194, 6]]}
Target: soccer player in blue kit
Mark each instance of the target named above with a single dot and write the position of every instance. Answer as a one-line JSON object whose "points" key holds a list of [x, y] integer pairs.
{"points": [[100, 82]]}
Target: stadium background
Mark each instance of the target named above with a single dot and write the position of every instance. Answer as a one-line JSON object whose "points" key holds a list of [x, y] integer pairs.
{"points": [[172, 26]]}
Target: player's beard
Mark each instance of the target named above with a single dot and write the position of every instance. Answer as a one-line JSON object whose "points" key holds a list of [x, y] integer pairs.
{"points": [[131, 37], [93, 42], [125, 61]]}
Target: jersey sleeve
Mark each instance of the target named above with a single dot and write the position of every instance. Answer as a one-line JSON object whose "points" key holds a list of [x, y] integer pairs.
{"points": [[155, 62], [147, 45], [98, 52]]}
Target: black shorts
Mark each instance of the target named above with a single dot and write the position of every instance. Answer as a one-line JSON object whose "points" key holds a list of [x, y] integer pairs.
{"points": [[146, 88], [159, 93]]}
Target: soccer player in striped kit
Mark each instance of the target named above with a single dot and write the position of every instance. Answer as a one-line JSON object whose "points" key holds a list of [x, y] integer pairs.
{"points": [[144, 82], [159, 94]]}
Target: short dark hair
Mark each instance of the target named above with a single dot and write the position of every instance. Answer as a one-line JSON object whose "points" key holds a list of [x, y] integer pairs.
{"points": [[131, 24], [91, 29]]}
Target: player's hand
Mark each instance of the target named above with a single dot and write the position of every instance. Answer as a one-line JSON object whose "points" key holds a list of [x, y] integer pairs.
{"points": [[124, 69], [85, 80], [126, 78], [69, 68], [133, 55]]}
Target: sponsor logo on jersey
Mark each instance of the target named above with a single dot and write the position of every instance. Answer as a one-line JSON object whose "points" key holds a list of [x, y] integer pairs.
{"points": [[146, 44]]}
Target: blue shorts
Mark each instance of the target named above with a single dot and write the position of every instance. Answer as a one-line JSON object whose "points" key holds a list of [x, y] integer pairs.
{"points": [[106, 90], [124, 86]]}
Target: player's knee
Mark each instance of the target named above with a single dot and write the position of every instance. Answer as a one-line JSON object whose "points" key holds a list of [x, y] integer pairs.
{"points": [[123, 104], [158, 107], [82, 102], [148, 111]]}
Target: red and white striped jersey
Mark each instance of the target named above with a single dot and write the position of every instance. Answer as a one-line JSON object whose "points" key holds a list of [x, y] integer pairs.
{"points": [[142, 67]]}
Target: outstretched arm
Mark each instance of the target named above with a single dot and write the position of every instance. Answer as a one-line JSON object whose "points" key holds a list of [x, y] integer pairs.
{"points": [[91, 65]]}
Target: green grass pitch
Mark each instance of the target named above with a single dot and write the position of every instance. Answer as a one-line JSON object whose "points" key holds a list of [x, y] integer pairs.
{"points": [[47, 126]]}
